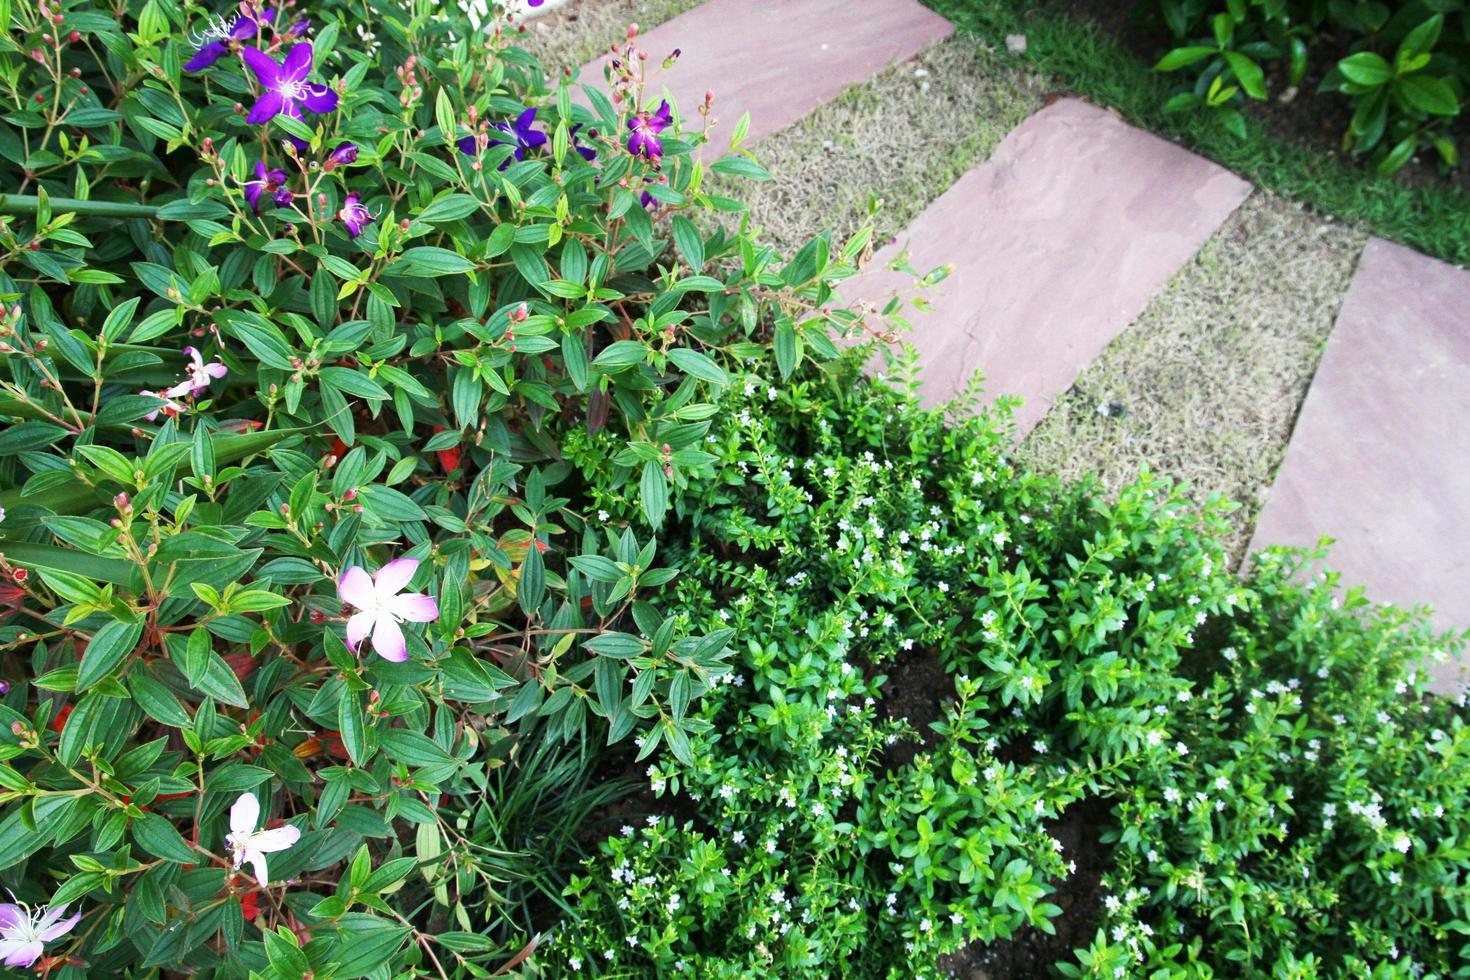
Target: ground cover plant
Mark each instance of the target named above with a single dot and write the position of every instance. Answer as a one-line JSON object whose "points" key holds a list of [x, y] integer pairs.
{"points": [[309, 627], [944, 661]]}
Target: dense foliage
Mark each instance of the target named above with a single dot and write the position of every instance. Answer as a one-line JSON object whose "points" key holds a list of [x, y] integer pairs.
{"points": [[1279, 792], [1404, 65], [302, 306], [407, 456]]}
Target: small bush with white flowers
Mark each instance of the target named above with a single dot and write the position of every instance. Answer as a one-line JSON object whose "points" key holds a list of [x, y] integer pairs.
{"points": [[893, 579]]}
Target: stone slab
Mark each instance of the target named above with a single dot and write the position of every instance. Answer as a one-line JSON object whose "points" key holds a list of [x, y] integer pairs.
{"points": [[1058, 241], [778, 59], [1380, 456]]}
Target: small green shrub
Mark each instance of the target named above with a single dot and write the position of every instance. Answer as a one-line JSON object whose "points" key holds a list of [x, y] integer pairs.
{"points": [[880, 562], [1406, 74]]}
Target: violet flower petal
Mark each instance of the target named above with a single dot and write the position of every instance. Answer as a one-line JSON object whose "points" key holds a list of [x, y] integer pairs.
{"points": [[205, 56], [318, 97]]}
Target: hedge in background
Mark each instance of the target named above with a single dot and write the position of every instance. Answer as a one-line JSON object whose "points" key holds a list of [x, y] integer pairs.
{"points": [[1406, 74]]}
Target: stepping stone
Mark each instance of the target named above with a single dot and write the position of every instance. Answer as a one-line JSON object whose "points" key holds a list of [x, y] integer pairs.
{"points": [[777, 59], [1380, 457], [1058, 241]]}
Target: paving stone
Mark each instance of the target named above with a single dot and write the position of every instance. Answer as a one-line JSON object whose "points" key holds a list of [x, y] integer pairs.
{"points": [[1380, 456], [1058, 241], [779, 59]]}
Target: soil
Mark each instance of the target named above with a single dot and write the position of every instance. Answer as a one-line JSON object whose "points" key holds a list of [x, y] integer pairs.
{"points": [[917, 689], [1031, 952], [1301, 116]]}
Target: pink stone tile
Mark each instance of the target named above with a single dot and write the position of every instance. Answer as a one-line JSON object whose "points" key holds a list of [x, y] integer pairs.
{"points": [[1058, 243], [779, 59], [1380, 457]]}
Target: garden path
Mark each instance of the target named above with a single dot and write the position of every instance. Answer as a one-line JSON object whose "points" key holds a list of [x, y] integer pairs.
{"points": [[1057, 242], [1380, 457], [780, 59]]}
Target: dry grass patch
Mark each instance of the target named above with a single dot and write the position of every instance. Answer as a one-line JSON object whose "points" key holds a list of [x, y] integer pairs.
{"points": [[575, 34], [904, 137], [1205, 386]]}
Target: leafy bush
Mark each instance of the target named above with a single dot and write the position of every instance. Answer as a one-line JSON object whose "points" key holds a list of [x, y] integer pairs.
{"points": [[893, 580], [300, 320], [1406, 71]]}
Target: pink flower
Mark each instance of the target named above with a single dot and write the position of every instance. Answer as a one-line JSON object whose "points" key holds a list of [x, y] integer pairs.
{"points": [[169, 406], [23, 931], [200, 374], [381, 608]]}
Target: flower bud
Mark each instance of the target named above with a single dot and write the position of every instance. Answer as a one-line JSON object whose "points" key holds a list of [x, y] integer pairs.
{"points": [[74, 36]]}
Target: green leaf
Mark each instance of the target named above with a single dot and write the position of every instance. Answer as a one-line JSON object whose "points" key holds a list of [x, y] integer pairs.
{"points": [[739, 166], [1365, 68], [449, 207], [689, 242], [413, 748], [1252, 79], [653, 491], [699, 365], [1183, 57], [352, 725], [158, 702], [532, 586], [788, 352], [429, 260], [619, 646], [109, 646], [1432, 95], [156, 835]]}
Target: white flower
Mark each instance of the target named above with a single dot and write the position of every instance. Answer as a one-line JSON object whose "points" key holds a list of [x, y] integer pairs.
{"points": [[24, 931], [248, 844]]}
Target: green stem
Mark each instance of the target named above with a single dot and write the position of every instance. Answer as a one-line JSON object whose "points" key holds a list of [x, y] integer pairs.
{"points": [[26, 204]]}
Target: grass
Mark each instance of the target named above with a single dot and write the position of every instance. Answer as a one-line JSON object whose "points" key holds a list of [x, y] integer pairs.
{"points": [[1079, 57], [573, 35], [894, 138]]}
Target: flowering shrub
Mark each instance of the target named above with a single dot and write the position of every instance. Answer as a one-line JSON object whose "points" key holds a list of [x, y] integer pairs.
{"points": [[302, 309], [894, 580]]}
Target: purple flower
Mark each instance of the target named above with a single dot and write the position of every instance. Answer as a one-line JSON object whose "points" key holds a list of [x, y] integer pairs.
{"points": [[588, 153], [216, 41], [299, 29], [354, 215], [283, 197], [344, 154], [266, 181], [646, 126], [523, 137], [286, 87]]}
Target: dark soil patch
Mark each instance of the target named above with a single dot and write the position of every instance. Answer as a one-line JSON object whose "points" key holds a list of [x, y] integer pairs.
{"points": [[1317, 121], [1031, 952], [917, 690]]}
